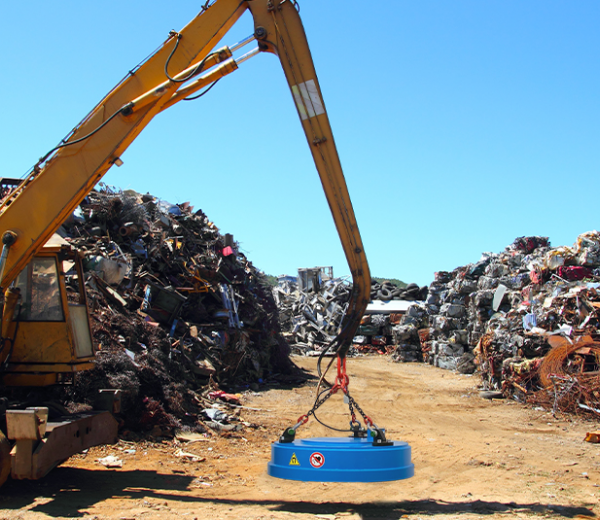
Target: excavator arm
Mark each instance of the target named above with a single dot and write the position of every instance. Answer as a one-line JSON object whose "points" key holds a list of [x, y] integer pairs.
{"points": [[279, 29], [183, 64]]}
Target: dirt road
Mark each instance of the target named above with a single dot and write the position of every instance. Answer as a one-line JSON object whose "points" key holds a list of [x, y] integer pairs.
{"points": [[474, 459]]}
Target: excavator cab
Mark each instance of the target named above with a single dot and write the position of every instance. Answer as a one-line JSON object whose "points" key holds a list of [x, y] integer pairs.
{"points": [[46, 338], [46, 331]]}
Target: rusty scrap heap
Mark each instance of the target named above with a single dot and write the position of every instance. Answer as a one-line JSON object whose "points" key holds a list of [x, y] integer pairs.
{"points": [[528, 317], [176, 309]]}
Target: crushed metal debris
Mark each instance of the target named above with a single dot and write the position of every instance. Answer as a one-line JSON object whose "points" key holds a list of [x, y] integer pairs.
{"points": [[527, 319], [177, 311], [312, 305]]}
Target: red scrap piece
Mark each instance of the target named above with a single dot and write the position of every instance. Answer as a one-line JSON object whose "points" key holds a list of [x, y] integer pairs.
{"points": [[219, 394], [574, 272], [536, 276]]}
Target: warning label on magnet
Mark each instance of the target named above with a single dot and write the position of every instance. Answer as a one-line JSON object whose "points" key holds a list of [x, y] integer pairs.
{"points": [[317, 460], [294, 460]]}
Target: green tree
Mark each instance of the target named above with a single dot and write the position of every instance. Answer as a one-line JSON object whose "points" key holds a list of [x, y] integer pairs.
{"points": [[395, 281]]}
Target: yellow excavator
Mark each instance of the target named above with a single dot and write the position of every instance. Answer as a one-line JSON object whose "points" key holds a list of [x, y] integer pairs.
{"points": [[45, 331]]}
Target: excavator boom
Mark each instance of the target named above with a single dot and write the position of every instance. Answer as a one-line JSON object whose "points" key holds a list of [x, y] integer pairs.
{"points": [[184, 63]]}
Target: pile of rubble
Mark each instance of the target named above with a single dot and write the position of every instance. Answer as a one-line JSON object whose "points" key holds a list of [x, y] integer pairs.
{"points": [[527, 317], [176, 309]]}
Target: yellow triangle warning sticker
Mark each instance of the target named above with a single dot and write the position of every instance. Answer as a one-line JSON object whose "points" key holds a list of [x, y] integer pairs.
{"points": [[294, 460]]}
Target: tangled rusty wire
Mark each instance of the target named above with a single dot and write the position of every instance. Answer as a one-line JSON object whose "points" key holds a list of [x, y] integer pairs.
{"points": [[570, 376]]}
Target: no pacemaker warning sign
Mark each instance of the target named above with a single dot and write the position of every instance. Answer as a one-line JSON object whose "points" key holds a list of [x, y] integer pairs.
{"points": [[294, 460], [317, 460]]}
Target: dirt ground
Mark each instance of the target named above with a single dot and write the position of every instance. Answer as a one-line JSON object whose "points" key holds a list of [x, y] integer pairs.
{"points": [[474, 459]]}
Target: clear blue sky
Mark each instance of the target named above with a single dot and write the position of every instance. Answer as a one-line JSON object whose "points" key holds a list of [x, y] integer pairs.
{"points": [[460, 124]]}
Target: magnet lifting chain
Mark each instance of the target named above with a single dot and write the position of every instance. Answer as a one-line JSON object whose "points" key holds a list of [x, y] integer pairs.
{"points": [[341, 383]]}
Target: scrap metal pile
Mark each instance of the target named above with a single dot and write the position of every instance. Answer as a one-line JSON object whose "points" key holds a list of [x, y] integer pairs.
{"points": [[176, 310], [528, 317], [311, 315], [392, 331]]}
